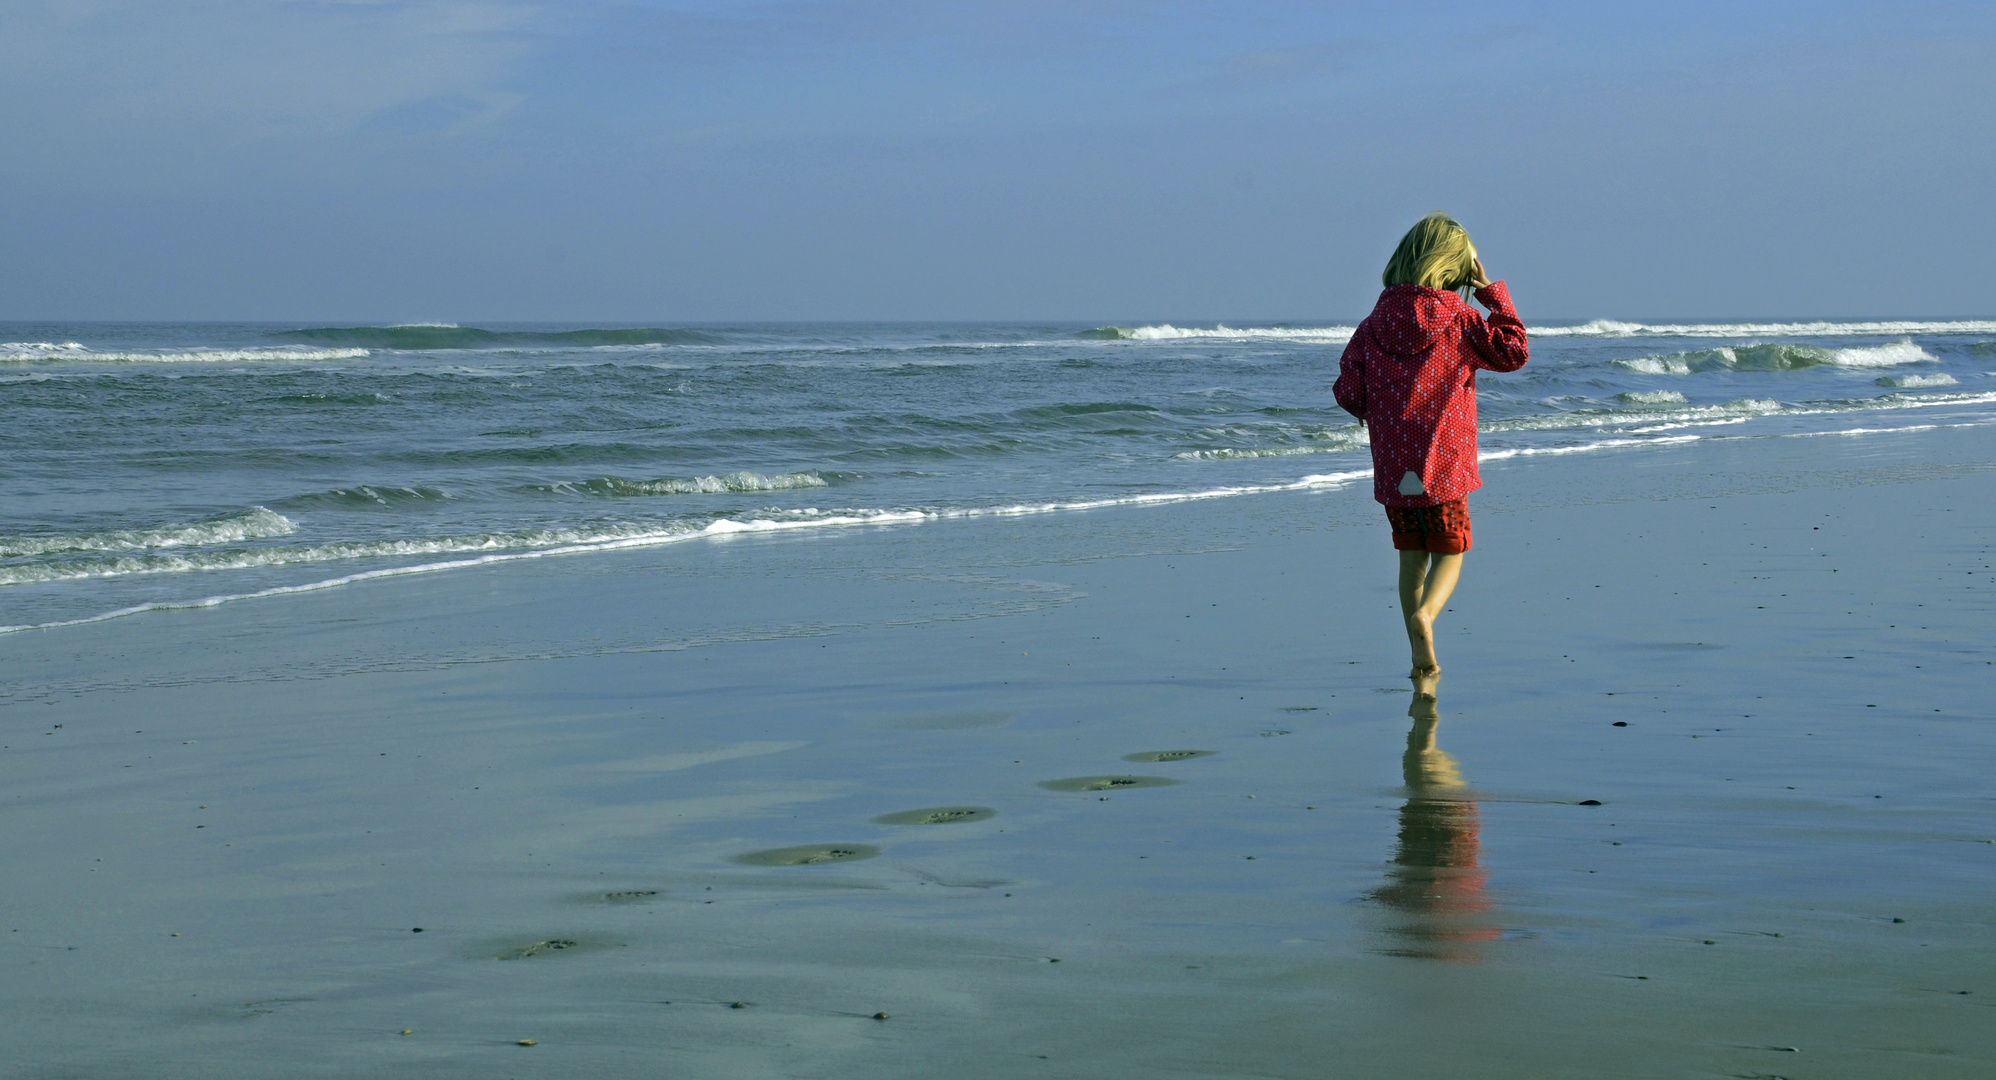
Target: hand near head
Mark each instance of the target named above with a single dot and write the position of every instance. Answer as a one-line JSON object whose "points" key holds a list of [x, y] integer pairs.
{"points": [[1477, 278]]}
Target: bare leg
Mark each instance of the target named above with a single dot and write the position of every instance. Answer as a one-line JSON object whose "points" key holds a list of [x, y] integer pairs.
{"points": [[1426, 581]]}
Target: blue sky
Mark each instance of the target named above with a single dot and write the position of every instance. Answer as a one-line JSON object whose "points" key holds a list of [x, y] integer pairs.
{"points": [[1106, 161]]}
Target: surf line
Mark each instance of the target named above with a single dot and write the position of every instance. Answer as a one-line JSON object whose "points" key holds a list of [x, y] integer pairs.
{"points": [[720, 528], [731, 527]]}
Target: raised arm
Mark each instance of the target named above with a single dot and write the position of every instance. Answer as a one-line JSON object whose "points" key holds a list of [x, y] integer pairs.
{"points": [[1499, 340]]}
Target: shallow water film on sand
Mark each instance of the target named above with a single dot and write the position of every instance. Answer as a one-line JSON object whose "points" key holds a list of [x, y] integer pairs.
{"points": [[176, 464], [988, 702]]}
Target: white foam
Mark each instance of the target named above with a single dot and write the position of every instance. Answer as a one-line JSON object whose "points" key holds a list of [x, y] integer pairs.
{"points": [[256, 523], [1650, 397], [1583, 448], [1909, 381], [1657, 365], [736, 482], [1900, 352], [1876, 431], [1724, 412], [1612, 328], [1327, 335], [1327, 442], [803, 519], [1248, 453], [1777, 356], [558, 542], [25, 351]]}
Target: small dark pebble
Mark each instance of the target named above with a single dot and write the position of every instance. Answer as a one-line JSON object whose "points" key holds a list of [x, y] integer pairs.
{"points": [[1590, 802], [415, 929], [880, 1016], [1898, 920], [737, 1004], [1621, 723], [1053, 959], [1709, 941]]}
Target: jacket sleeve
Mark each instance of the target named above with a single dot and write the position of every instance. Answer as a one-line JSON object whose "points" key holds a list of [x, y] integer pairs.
{"points": [[1350, 387], [1499, 342]]}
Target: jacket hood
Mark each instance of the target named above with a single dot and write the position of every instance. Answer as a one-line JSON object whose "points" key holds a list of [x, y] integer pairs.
{"points": [[1408, 317]]}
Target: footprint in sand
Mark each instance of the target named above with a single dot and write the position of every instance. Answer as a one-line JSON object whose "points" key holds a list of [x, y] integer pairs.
{"points": [[941, 815], [1106, 783], [1155, 756], [808, 855], [538, 948], [630, 896]]}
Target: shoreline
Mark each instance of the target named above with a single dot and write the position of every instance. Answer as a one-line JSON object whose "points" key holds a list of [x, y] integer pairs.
{"points": [[491, 755]]}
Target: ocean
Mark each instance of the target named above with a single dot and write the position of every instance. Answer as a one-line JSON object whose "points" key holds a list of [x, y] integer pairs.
{"points": [[163, 465]]}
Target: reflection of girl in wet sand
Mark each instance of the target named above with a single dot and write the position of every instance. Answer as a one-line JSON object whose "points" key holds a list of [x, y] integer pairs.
{"points": [[1435, 877], [1409, 374]]}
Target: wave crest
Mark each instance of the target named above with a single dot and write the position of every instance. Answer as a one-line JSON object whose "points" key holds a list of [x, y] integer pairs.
{"points": [[32, 351], [1322, 335], [1910, 381], [1777, 357], [737, 482], [1612, 328], [256, 523], [418, 337], [1650, 397], [368, 495]]}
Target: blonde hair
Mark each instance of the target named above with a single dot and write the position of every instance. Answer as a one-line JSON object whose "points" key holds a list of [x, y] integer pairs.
{"points": [[1436, 253]]}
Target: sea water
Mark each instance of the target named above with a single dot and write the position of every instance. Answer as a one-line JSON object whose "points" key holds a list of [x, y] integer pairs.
{"points": [[160, 465]]}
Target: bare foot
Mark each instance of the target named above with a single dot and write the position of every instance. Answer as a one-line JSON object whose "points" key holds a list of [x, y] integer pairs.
{"points": [[1421, 635]]}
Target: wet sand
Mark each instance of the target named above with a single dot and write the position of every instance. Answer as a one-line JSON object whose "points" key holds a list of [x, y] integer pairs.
{"points": [[1704, 792]]}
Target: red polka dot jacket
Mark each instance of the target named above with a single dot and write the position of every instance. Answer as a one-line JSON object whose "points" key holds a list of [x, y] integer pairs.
{"points": [[1409, 372]]}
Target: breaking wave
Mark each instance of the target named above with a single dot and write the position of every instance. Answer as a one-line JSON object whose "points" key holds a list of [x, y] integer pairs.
{"points": [[1650, 397], [1910, 381], [368, 495], [699, 485], [256, 523], [1611, 328], [1326, 442], [1327, 335], [529, 544], [1777, 357], [416, 337], [34, 351]]}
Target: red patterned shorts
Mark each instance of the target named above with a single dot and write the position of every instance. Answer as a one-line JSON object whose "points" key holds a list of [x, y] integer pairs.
{"points": [[1442, 529]]}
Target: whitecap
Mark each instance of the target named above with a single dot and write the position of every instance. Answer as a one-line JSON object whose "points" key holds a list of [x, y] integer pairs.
{"points": [[1777, 356], [1324, 335], [1910, 381], [255, 523], [1612, 328], [736, 482], [1899, 352], [1583, 448], [19, 352]]}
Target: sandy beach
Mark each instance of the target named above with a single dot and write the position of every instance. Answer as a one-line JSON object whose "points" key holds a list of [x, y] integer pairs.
{"points": [[1707, 796]]}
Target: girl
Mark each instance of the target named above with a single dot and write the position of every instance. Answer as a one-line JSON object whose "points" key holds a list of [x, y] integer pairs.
{"points": [[1409, 374]]}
